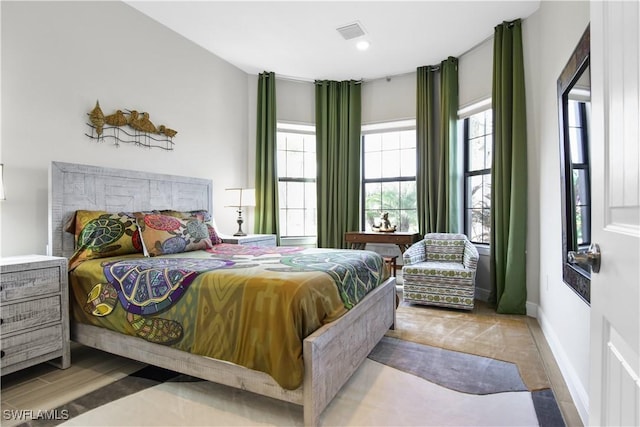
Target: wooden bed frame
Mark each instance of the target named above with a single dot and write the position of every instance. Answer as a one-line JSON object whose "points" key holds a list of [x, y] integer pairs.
{"points": [[331, 354]]}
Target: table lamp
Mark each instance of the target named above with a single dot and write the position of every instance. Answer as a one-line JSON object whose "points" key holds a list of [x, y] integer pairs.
{"points": [[241, 197]]}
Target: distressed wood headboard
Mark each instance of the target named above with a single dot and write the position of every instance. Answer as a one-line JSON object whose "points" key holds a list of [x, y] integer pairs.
{"points": [[74, 186]]}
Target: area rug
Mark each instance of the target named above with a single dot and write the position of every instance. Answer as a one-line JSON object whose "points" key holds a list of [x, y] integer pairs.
{"points": [[482, 332], [401, 383], [457, 371]]}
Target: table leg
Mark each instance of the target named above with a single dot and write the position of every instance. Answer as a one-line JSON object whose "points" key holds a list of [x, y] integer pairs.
{"points": [[403, 247]]}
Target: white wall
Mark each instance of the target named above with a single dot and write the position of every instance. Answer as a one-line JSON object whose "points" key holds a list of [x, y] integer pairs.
{"points": [[550, 35], [59, 57]]}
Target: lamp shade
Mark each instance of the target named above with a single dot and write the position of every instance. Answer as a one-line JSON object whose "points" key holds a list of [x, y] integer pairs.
{"points": [[240, 197], [248, 197]]}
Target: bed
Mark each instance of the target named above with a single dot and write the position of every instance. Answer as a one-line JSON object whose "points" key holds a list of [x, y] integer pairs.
{"points": [[330, 354]]}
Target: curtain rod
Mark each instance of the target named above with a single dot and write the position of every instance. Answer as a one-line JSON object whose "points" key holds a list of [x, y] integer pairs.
{"points": [[294, 79]]}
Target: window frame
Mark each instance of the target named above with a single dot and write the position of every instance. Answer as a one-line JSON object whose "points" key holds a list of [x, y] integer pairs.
{"points": [[303, 129], [581, 166], [379, 128], [464, 115]]}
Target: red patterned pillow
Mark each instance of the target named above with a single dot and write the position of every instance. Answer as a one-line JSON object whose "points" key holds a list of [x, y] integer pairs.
{"points": [[164, 234]]}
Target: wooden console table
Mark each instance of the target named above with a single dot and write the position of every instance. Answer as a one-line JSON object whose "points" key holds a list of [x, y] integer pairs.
{"points": [[359, 239]]}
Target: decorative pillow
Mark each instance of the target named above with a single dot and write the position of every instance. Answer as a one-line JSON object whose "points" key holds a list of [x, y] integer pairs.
{"points": [[444, 249], [202, 215], [100, 234], [164, 234]]}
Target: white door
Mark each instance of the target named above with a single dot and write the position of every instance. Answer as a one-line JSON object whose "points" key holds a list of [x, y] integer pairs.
{"points": [[614, 390]]}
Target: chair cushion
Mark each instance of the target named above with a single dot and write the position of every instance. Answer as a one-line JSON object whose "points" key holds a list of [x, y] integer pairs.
{"points": [[449, 270], [444, 249]]}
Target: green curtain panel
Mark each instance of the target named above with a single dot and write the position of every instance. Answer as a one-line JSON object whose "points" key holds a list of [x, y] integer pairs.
{"points": [[436, 134], [266, 211], [449, 141], [509, 172], [338, 117]]}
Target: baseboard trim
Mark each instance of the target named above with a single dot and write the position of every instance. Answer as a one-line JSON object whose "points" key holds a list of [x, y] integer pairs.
{"points": [[482, 294], [578, 393], [532, 309]]}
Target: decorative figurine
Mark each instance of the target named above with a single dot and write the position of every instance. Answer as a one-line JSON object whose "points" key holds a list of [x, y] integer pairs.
{"points": [[385, 225]]}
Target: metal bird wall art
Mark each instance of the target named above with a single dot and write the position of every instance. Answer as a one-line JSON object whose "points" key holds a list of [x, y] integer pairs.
{"points": [[129, 126]]}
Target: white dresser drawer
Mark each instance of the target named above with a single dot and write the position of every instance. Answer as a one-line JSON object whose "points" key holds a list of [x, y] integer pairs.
{"points": [[30, 345], [29, 283], [28, 314]]}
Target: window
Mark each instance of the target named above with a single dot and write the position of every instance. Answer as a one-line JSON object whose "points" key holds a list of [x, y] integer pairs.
{"points": [[478, 143], [578, 144], [389, 175], [296, 166]]}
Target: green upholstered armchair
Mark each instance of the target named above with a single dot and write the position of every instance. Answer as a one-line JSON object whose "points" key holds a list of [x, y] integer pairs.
{"points": [[441, 270]]}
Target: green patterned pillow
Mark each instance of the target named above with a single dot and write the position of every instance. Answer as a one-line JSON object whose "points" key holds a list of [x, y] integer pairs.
{"points": [[164, 234], [100, 234]]}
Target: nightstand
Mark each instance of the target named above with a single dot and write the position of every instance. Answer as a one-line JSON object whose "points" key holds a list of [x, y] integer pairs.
{"points": [[34, 321], [252, 240]]}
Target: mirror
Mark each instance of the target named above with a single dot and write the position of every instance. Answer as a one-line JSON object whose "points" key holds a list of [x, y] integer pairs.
{"points": [[574, 101]]}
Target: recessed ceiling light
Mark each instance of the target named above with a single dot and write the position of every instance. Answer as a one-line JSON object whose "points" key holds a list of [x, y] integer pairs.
{"points": [[363, 45]]}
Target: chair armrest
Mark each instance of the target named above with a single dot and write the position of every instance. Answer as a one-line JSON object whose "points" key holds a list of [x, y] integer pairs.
{"points": [[416, 253], [470, 256]]}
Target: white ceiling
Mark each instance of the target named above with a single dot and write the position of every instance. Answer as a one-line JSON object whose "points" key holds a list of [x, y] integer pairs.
{"points": [[298, 39]]}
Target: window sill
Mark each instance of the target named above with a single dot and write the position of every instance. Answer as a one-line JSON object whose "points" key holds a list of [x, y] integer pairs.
{"points": [[483, 249]]}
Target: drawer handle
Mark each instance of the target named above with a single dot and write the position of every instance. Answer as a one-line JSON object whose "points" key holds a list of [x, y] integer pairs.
{"points": [[1, 320], [1, 354]]}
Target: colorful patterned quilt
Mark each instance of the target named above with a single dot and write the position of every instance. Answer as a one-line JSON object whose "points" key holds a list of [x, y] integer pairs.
{"points": [[252, 306]]}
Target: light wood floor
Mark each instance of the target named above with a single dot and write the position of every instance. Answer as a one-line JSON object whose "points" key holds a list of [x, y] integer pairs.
{"points": [[44, 387]]}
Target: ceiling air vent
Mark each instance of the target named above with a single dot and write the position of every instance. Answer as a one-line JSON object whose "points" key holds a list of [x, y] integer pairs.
{"points": [[351, 31]]}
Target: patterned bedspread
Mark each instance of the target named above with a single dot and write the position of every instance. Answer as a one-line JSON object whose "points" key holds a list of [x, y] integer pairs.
{"points": [[252, 306]]}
